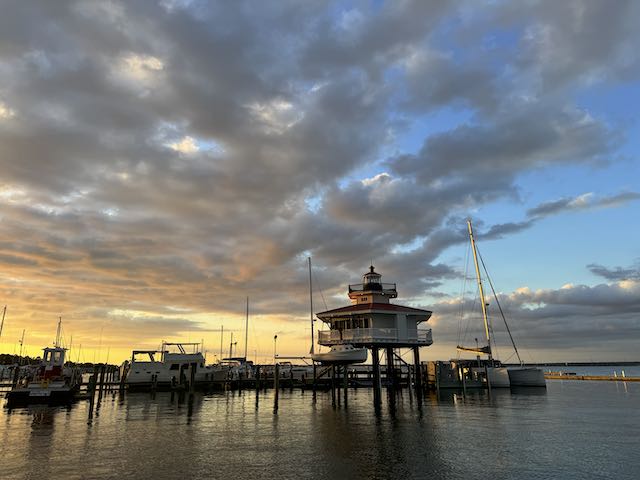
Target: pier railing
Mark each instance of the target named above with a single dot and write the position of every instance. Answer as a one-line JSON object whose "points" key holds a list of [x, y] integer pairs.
{"points": [[374, 335]]}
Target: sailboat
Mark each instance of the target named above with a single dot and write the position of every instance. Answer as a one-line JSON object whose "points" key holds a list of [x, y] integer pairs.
{"points": [[342, 354], [499, 376]]}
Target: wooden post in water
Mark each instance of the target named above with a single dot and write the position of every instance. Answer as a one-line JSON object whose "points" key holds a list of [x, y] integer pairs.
{"points": [[291, 379], [438, 379], [391, 373], [16, 376], [377, 393], [276, 387], [192, 380], [91, 391], [257, 379], [418, 371], [333, 385], [102, 369], [123, 376], [346, 384], [315, 379]]}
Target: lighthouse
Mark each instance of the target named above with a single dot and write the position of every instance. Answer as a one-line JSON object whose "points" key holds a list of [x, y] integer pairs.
{"points": [[373, 322]]}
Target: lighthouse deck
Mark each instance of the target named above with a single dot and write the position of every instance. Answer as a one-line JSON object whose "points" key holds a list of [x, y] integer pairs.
{"points": [[370, 336]]}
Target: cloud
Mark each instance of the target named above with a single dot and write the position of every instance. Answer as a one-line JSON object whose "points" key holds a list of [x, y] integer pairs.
{"points": [[582, 202], [617, 273], [510, 144], [187, 145], [309, 107], [571, 317]]}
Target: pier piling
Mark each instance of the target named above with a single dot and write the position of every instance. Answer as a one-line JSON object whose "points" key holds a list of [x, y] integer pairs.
{"points": [[417, 372], [276, 387], [346, 384], [376, 377]]}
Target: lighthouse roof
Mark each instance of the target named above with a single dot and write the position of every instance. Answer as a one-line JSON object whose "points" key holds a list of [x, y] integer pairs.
{"points": [[372, 308]]}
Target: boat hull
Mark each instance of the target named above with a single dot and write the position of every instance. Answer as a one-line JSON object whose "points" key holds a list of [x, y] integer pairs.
{"points": [[341, 357], [28, 396], [527, 377], [498, 377]]}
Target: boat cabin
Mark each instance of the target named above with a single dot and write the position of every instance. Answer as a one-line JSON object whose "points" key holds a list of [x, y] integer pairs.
{"points": [[52, 363], [372, 320]]}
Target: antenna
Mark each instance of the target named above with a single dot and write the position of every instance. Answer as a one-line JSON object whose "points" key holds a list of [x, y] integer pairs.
{"points": [[57, 344]]}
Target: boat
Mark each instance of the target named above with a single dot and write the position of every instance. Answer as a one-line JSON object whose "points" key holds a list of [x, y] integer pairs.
{"points": [[176, 368], [340, 354], [50, 382], [497, 374], [343, 354]]}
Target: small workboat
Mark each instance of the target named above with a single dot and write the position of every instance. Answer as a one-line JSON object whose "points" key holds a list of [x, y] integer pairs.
{"points": [[50, 382], [343, 354]]}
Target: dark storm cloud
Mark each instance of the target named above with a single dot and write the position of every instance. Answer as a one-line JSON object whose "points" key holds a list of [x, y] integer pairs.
{"points": [[160, 154]]}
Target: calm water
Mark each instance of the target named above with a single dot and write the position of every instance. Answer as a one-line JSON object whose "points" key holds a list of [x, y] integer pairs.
{"points": [[574, 430]]}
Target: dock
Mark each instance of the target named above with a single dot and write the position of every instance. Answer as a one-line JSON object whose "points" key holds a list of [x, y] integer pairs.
{"points": [[601, 378]]}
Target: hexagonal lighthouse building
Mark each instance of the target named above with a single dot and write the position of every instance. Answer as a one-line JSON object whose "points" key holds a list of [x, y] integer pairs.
{"points": [[372, 321]]}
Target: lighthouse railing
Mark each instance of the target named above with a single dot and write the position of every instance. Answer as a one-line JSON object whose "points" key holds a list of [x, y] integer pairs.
{"points": [[386, 288], [373, 335]]}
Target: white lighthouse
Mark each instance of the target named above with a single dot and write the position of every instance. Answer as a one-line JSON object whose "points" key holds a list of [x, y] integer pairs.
{"points": [[372, 320]]}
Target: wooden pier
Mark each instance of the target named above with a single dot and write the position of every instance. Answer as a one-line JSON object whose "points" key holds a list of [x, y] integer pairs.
{"points": [[602, 378]]}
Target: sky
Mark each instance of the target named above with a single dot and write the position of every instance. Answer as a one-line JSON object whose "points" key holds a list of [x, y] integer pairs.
{"points": [[162, 161]]}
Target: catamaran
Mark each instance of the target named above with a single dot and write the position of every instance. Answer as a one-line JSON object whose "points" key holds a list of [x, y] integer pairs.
{"points": [[498, 375]]}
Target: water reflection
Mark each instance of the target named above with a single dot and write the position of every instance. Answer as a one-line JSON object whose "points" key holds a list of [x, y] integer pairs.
{"points": [[513, 433]]}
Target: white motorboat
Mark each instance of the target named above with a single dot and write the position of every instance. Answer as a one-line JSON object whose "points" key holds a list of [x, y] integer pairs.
{"points": [[174, 368], [343, 354]]}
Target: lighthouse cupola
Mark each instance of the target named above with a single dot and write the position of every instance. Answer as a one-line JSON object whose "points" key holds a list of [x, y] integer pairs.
{"points": [[371, 279], [372, 290]]}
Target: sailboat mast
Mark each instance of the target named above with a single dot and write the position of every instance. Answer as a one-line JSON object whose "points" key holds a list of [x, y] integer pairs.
{"points": [[311, 307], [480, 289], [2, 324], [58, 332], [221, 339], [246, 331]]}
